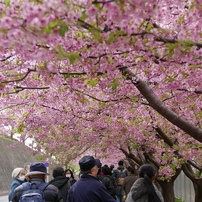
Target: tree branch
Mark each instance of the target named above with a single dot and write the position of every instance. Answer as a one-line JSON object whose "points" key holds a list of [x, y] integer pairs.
{"points": [[195, 91], [4, 59], [104, 101], [22, 78], [131, 156], [158, 106], [170, 40]]}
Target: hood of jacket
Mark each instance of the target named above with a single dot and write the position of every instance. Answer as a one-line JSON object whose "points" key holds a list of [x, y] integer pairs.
{"points": [[121, 168], [138, 189], [59, 181]]}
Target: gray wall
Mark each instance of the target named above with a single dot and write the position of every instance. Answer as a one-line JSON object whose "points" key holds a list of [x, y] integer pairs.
{"points": [[14, 154], [183, 188]]}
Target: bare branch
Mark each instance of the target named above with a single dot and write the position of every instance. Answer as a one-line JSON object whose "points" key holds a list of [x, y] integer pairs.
{"points": [[104, 101], [30, 88], [170, 40], [185, 90], [22, 78], [4, 59]]}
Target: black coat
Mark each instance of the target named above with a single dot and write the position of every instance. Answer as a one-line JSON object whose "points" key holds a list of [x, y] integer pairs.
{"points": [[108, 184], [61, 182]]}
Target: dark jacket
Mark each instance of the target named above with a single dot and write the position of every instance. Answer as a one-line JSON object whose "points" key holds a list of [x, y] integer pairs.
{"points": [[128, 183], [72, 181], [63, 184], [138, 192], [121, 170], [51, 193], [108, 184], [89, 189], [15, 183], [116, 172]]}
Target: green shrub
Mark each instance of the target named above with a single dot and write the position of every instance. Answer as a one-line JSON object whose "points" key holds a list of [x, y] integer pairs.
{"points": [[178, 200]]}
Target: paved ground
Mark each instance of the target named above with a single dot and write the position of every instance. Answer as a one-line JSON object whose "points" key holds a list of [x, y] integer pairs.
{"points": [[4, 198]]}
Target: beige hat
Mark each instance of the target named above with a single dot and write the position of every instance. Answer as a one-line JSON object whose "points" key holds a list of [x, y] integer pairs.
{"points": [[16, 172]]}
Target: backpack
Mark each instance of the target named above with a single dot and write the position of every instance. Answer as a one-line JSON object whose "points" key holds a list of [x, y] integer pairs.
{"points": [[121, 176], [33, 192]]}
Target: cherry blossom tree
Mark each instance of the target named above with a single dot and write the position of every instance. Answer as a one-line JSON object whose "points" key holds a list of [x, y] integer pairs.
{"points": [[84, 75]]}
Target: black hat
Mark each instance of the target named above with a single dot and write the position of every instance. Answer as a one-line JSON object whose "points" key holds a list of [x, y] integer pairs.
{"points": [[98, 163], [37, 168], [86, 163]]}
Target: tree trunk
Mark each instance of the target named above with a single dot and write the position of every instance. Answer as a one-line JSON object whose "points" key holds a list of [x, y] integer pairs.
{"points": [[167, 190], [197, 182], [198, 192]]}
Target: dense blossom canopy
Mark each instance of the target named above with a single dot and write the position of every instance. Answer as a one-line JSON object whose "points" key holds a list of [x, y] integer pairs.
{"points": [[84, 75]]}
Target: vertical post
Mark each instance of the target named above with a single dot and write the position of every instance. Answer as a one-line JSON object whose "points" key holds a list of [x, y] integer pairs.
{"points": [[47, 167]]}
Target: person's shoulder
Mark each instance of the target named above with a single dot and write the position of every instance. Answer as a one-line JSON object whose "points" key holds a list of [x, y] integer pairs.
{"points": [[59, 180], [100, 177], [52, 187], [115, 170], [73, 181], [111, 177], [127, 177], [133, 176], [122, 169], [139, 181], [16, 182], [20, 187], [96, 180], [105, 179], [130, 178]]}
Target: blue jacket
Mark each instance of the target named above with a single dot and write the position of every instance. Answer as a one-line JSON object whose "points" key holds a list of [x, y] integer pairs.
{"points": [[15, 183], [89, 189]]}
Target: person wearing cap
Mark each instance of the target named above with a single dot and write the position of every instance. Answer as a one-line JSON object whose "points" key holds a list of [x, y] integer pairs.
{"points": [[37, 174], [88, 188], [18, 177]]}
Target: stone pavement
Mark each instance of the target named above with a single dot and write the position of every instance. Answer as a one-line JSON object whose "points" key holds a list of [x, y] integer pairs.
{"points": [[4, 198]]}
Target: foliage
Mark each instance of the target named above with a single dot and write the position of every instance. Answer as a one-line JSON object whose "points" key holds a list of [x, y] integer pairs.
{"points": [[104, 77], [178, 200]]}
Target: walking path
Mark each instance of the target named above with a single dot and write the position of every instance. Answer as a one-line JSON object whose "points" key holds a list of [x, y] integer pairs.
{"points": [[4, 198]]}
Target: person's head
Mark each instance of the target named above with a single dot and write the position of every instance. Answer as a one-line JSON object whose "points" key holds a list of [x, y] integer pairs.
{"points": [[106, 170], [58, 171], [130, 170], [37, 170], [148, 173], [69, 173], [111, 167], [147, 170], [99, 165], [120, 163], [88, 165], [19, 173]]}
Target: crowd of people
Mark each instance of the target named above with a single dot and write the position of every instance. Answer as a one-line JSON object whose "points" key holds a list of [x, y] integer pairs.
{"points": [[96, 183]]}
